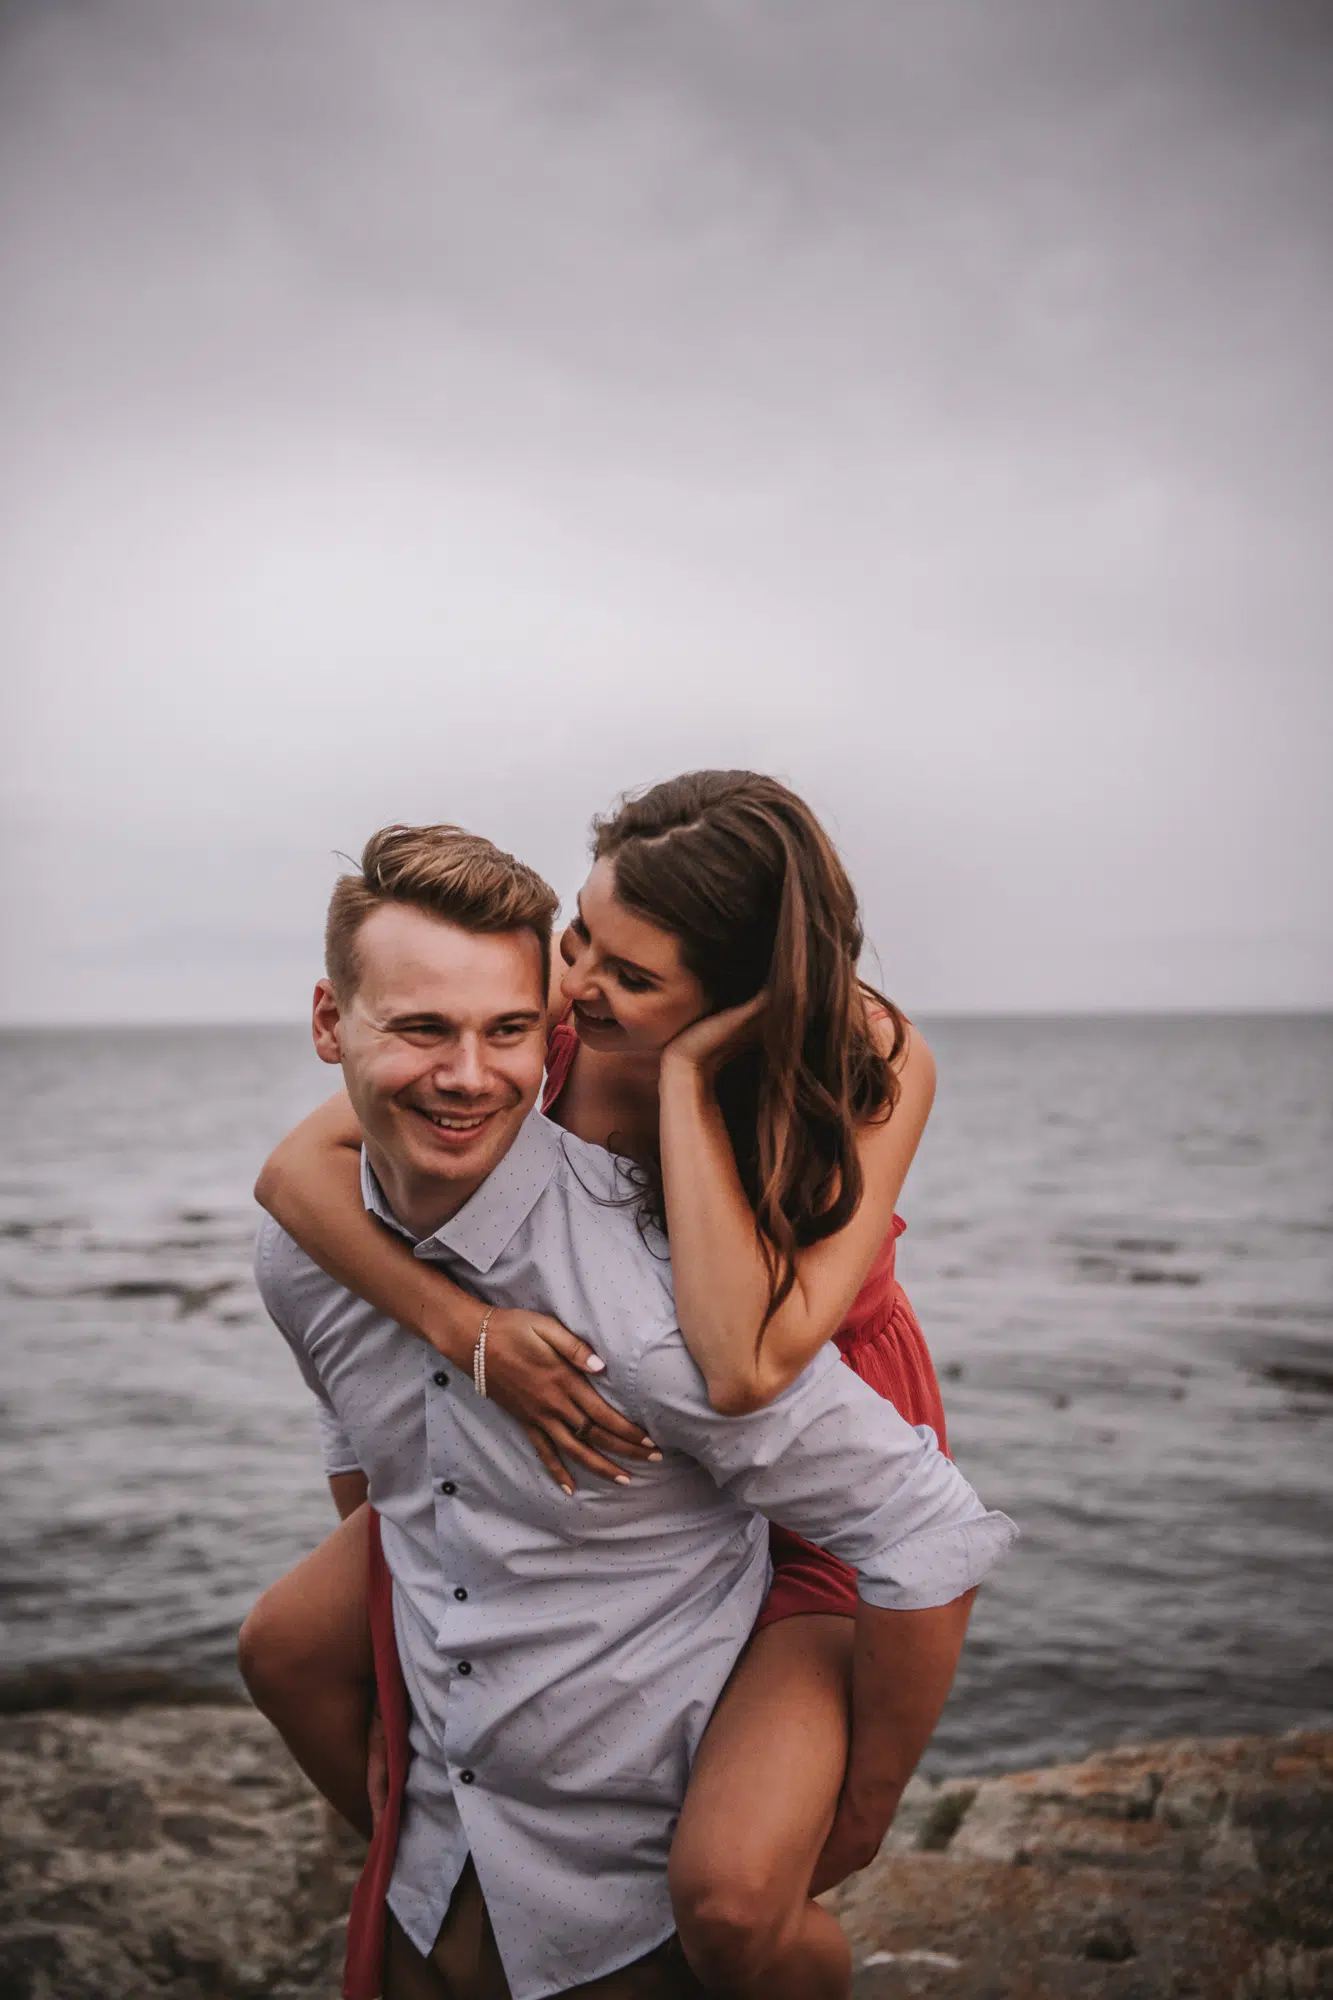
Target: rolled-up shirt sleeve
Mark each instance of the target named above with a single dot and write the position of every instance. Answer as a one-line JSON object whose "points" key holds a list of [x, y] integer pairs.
{"points": [[834, 1462], [337, 1450], [336, 1447]]}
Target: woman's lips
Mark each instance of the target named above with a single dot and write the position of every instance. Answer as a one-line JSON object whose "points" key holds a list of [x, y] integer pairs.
{"points": [[586, 1019]]}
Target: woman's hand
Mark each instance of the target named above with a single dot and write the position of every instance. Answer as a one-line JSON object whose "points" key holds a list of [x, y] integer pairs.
{"points": [[536, 1369], [714, 1039]]}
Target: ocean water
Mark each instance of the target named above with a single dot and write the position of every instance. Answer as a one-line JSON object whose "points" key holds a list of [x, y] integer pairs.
{"points": [[1120, 1245]]}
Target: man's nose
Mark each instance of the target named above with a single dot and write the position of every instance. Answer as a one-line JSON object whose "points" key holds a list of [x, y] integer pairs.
{"points": [[464, 1067]]}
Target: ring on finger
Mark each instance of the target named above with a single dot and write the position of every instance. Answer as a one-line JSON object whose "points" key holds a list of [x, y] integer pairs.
{"points": [[582, 1432]]}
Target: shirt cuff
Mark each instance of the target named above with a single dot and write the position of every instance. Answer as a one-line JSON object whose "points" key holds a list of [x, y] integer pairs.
{"points": [[935, 1567], [336, 1449]]}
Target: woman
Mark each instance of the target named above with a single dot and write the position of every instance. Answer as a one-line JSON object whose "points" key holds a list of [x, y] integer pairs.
{"points": [[718, 1035]]}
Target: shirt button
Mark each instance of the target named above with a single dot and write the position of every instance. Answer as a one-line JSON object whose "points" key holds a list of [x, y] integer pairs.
{"points": [[440, 1379], [460, 1593], [465, 1666], [468, 1777], [447, 1486]]}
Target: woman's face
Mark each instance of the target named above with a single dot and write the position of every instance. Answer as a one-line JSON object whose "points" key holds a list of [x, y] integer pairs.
{"points": [[629, 988]]}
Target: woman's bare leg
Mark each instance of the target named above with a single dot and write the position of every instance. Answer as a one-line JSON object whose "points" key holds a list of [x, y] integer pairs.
{"points": [[305, 1656], [760, 1804]]}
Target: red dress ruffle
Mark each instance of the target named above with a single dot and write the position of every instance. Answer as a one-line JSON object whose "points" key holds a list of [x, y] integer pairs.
{"points": [[881, 1342]]}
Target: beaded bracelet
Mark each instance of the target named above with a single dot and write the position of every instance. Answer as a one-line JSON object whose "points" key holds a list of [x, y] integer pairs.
{"points": [[479, 1354]]}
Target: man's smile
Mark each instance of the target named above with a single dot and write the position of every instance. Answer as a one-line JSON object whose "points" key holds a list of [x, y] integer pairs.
{"points": [[460, 1123]]}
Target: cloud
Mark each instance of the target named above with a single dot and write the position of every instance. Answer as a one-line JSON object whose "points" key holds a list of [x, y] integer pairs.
{"points": [[415, 410]]}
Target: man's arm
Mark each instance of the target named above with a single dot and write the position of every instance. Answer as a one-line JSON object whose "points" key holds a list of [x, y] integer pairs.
{"points": [[274, 1254], [349, 1490], [836, 1463], [902, 1671]]}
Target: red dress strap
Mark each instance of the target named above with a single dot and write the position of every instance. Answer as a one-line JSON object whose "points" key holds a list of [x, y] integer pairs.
{"points": [[561, 1048], [363, 1971]]}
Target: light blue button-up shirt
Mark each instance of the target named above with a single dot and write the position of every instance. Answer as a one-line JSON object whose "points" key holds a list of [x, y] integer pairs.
{"points": [[563, 1655]]}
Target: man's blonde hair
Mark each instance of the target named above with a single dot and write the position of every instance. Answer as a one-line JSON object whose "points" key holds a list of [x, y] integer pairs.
{"points": [[446, 872]]}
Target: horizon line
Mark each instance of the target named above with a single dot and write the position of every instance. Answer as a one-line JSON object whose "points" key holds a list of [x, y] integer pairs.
{"points": [[1176, 1011]]}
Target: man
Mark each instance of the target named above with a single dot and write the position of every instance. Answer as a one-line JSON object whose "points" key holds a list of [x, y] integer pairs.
{"points": [[563, 1654]]}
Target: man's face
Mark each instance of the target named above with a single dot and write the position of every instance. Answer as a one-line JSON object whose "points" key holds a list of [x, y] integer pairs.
{"points": [[441, 1045]]}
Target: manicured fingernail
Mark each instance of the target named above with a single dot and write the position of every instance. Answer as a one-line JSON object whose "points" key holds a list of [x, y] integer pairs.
{"points": [[645, 1439], [568, 1491], [623, 1479], [595, 1364], [654, 1458]]}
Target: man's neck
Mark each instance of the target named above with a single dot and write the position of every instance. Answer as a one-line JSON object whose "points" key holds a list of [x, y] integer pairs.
{"points": [[421, 1205]]}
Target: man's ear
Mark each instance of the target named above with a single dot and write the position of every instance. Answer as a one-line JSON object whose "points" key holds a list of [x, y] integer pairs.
{"points": [[324, 1021]]}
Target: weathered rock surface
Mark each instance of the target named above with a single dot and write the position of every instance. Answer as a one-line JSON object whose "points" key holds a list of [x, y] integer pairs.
{"points": [[165, 1851], [176, 1852], [1170, 1869]]}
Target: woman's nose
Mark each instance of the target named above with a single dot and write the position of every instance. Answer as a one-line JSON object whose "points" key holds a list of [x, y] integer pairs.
{"points": [[575, 983]]}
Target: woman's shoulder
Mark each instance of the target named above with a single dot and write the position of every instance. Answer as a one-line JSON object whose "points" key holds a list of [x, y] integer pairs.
{"points": [[895, 1037]]}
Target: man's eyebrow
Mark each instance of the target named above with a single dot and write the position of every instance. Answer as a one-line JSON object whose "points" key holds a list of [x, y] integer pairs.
{"points": [[426, 1017]]}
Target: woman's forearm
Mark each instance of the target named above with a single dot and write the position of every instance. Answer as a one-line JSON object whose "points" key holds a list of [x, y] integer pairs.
{"points": [[721, 1276], [312, 1187], [537, 1369]]}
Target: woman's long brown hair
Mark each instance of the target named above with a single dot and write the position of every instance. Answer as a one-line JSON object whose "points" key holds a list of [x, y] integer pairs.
{"points": [[740, 871]]}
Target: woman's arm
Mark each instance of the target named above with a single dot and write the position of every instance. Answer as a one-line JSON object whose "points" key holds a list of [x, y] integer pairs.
{"points": [[311, 1185], [535, 1367], [722, 1281]]}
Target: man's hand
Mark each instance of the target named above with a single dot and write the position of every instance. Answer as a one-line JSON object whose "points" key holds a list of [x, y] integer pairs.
{"points": [[856, 1835]]}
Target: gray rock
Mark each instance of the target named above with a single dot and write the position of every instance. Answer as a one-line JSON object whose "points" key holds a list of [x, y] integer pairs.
{"points": [[175, 1853], [1172, 1869], [172, 1852]]}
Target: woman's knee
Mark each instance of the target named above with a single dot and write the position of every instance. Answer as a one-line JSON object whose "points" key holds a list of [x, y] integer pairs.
{"points": [[311, 1628], [276, 1650], [733, 1916]]}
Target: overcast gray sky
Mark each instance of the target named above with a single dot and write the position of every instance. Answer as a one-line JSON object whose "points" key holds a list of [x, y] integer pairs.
{"points": [[427, 411]]}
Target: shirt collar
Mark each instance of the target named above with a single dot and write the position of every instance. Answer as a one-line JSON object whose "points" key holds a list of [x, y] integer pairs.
{"points": [[490, 1219]]}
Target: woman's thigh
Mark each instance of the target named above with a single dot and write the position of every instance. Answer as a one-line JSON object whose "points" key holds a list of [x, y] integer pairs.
{"points": [[317, 1616], [765, 1783]]}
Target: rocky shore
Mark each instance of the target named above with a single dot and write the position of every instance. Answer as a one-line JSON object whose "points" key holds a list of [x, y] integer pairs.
{"points": [[173, 1850]]}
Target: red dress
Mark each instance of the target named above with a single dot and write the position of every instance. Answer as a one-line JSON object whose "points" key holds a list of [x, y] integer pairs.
{"points": [[879, 1340]]}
